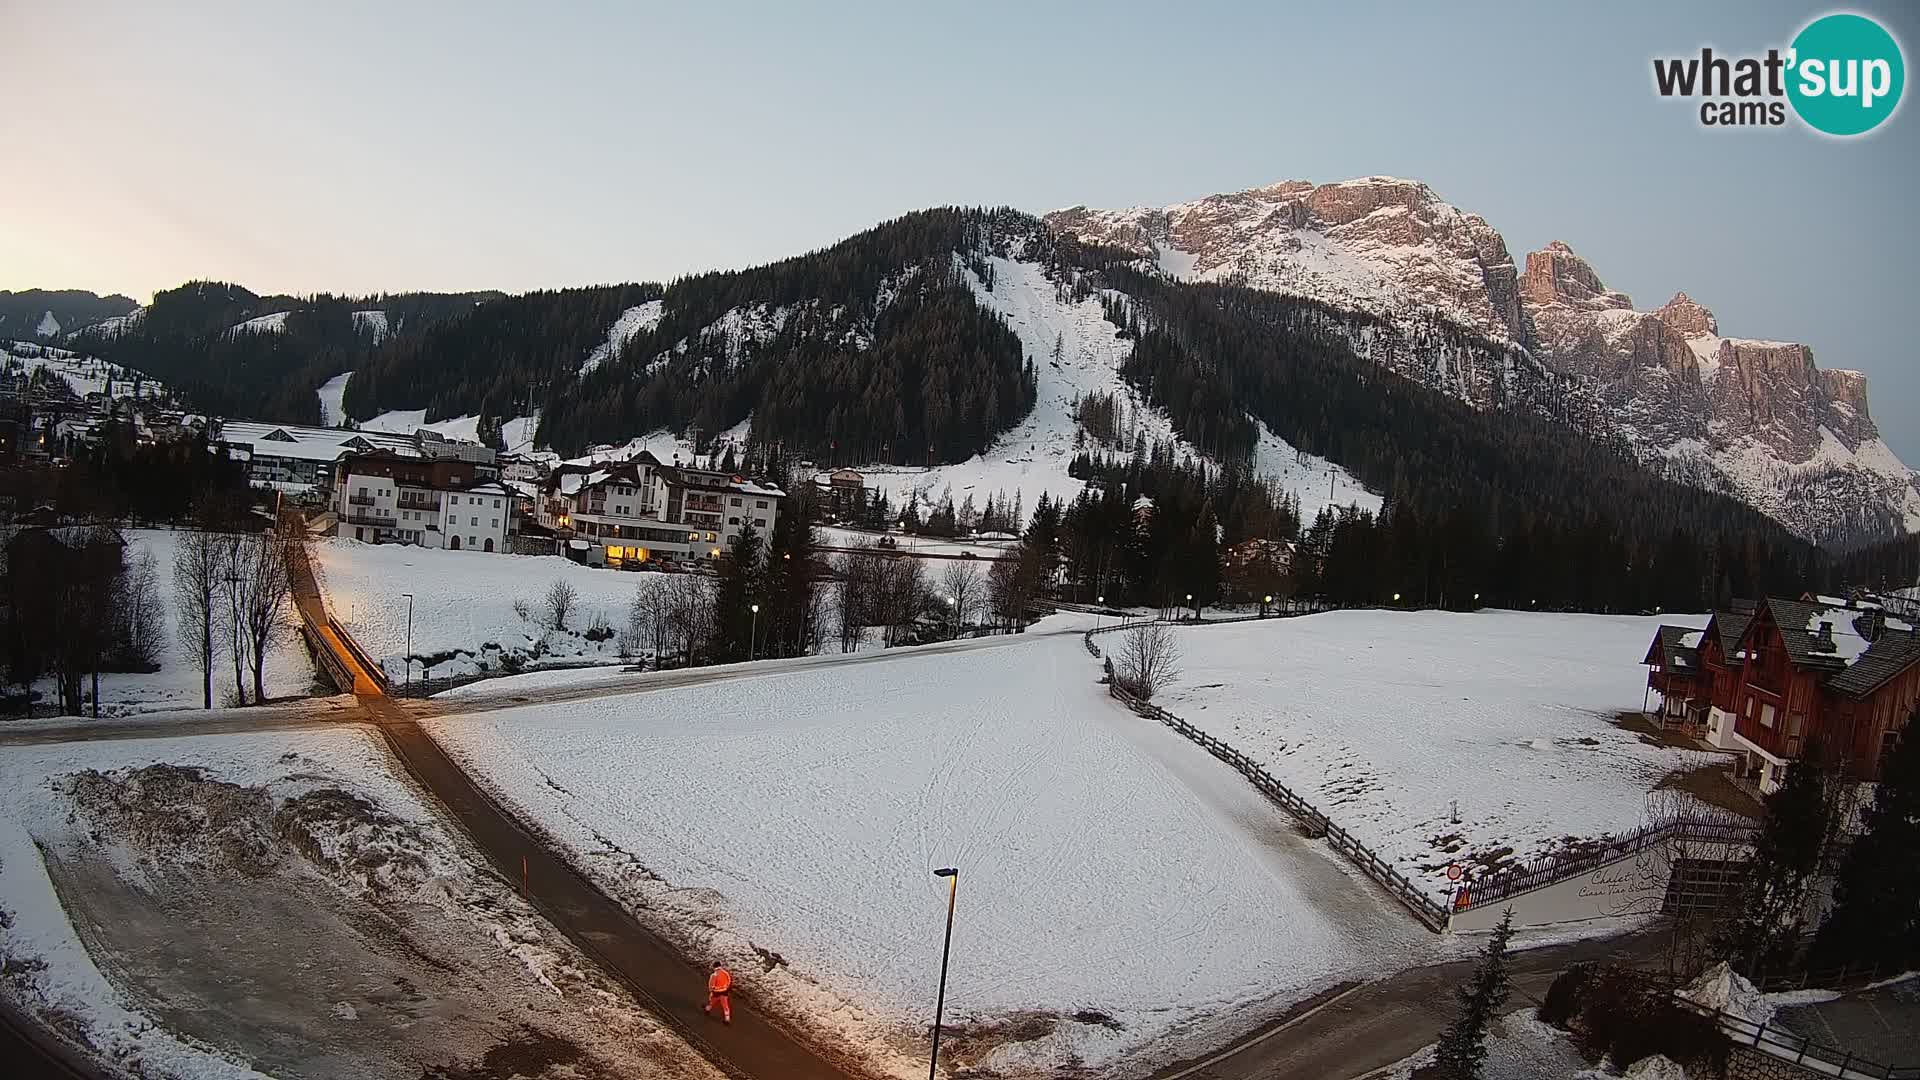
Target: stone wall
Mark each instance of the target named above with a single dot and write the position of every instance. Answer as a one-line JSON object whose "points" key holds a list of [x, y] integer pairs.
{"points": [[1746, 1063]]}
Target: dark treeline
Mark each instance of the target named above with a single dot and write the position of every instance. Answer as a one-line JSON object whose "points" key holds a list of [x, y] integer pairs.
{"points": [[871, 350], [1462, 484], [1890, 564], [186, 339]]}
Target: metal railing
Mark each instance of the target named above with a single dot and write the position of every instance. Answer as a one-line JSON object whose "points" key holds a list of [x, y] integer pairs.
{"points": [[1552, 869], [1799, 1050], [360, 500]]}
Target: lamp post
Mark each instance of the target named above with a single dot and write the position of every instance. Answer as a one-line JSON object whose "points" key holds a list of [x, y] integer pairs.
{"points": [[952, 874], [952, 630], [423, 673], [1196, 615], [1098, 618], [1264, 601], [753, 632]]}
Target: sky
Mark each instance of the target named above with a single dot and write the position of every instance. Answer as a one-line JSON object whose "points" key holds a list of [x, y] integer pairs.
{"points": [[368, 147]]}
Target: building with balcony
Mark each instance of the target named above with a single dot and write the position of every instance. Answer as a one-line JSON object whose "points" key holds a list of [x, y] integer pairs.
{"points": [[1771, 678], [383, 497], [637, 511]]}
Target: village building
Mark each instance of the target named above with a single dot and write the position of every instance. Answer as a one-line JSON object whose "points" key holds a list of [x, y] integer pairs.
{"points": [[448, 502], [296, 460], [1768, 679], [639, 510]]}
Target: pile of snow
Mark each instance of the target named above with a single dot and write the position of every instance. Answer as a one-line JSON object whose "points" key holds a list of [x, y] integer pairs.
{"points": [[1437, 737], [463, 606], [273, 812], [178, 684], [332, 393], [1519, 1047], [1657, 1067], [1106, 867], [634, 320], [1726, 990]]}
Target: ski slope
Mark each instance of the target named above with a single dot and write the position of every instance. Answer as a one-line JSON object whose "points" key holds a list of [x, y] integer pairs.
{"points": [[1106, 867], [1389, 721], [332, 392], [82, 373]]}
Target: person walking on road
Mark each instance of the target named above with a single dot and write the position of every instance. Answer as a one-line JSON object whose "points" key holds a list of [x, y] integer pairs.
{"points": [[718, 985]]}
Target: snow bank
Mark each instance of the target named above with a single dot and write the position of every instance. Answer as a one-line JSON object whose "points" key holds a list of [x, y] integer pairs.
{"points": [[1437, 737], [1105, 864]]}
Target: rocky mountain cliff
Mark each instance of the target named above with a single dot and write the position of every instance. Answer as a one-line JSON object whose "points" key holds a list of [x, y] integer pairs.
{"points": [[1757, 419]]}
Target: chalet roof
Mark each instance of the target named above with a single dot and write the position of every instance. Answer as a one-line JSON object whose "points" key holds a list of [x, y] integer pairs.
{"points": [[1731, 626], [1676, 647], [1891, 654], [1799, 622]]}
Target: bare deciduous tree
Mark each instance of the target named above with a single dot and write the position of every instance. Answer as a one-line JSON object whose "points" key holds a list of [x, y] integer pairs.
{"points": [[199, 573], [561, 599], [688, 607], [1147, 660], [142, 613], [262, 573], [960, 588]]}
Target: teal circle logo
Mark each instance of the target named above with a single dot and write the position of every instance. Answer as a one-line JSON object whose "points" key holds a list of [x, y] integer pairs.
{"points": [[1846, 75]]}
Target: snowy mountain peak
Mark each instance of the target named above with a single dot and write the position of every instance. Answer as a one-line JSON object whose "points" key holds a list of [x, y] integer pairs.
{"points": [[1688, 317], [1754, 417]]}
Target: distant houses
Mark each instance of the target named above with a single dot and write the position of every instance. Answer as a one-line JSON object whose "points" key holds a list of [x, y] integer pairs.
{"points": [[1767, 679], [638, 511]]}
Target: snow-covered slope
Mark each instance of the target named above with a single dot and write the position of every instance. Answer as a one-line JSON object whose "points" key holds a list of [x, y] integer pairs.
{"points": [[85, 374], [48, 327], [374, 321], [634, 320], [265, 324], [332, 413]]}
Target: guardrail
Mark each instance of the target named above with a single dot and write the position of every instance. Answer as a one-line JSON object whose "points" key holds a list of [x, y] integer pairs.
{"points": [[1551, 869], [1798, 1050], [373, 670], [1430, 912]]}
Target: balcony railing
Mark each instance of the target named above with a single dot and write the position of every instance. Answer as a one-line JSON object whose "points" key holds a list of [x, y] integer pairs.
{"points": [[369, 519], [419, 504], [360, 500]]}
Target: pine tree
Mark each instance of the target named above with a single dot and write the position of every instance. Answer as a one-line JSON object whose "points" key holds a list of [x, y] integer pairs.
{"points": [[1792, 839], [734, 595], [1463, 1048], [1876, 914]]}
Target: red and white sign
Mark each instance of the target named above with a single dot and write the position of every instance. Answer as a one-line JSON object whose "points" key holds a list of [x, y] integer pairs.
{"points": [[1454, 871]]}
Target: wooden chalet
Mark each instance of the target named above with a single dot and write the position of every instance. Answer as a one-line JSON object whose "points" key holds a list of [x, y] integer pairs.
{"points": [[1769, 681]]}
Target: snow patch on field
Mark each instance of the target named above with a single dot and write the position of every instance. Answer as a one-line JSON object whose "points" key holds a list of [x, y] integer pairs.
{"points": [[332, 393], [1385, 720], [1106, 867], [463, 606], [633, 321]]}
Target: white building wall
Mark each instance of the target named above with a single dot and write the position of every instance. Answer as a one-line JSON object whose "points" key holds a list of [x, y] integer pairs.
{"points": [[478, 520]]}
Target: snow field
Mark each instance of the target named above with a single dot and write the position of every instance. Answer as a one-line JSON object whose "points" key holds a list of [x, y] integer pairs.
{"points": [[1104, 865], [177, 685], [1384, 720], [463, 601]]}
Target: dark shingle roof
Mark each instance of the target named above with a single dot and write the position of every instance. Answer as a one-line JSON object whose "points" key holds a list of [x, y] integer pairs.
{"points": [[1894, 652], [1674, 654], [1793, 617], [1731, 626]]}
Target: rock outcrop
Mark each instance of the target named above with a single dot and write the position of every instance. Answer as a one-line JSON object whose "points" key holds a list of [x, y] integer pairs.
{"points": [[1757, 418]]}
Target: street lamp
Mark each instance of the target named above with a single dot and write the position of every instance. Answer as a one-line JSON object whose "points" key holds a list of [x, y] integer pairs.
{"points": [[1196, 615], [423, 670], [1396, 598], [1264, 601], [952, 629], [753, 632], [1097, 615], [952, 874]]}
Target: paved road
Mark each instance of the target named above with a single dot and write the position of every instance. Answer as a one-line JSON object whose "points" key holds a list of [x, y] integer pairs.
{"points": [[1380, 1023]]}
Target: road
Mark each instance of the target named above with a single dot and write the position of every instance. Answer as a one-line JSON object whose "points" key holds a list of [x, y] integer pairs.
{"points": [[1353, 1032]]}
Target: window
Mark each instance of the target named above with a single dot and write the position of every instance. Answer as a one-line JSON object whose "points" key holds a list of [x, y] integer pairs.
{"points": [[363, 493], [736, 502], [473, 521], [733, 521], [760, 522], [760, 504], [496, 504], [1766, 716], [496, 523]]}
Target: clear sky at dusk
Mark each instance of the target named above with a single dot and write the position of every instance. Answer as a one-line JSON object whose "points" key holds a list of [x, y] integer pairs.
{"points": [[366, 147]]}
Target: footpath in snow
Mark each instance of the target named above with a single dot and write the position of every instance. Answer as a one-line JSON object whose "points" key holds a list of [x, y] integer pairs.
{"points": [[1118, 887], [1436, 737]]}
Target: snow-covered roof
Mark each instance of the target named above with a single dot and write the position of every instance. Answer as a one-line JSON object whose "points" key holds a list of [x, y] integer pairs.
{"points": [[303, 443]]}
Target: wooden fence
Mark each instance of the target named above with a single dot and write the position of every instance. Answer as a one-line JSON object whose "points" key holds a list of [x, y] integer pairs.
{"points": [[1429, 911], [1550, 869]]}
